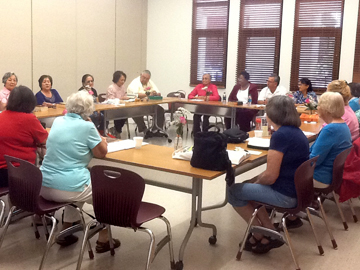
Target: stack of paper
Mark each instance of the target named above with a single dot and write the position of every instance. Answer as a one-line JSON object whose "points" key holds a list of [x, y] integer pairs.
{"points": [[260, 143], [236, 157], [121, 145]]}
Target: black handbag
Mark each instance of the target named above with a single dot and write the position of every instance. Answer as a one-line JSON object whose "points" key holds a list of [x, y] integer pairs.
{"points": [[209, 153], [235, 135]]}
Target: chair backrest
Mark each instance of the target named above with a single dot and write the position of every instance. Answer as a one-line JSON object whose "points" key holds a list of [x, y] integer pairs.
{"points": [[304, 183], [25, 181], [117, 195], [338, 169], [177, 93], [102, 97]]}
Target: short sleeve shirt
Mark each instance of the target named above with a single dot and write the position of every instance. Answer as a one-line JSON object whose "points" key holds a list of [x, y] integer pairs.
{"points": [[265, 93], [69, 146], [292, 142], [19, 135]]}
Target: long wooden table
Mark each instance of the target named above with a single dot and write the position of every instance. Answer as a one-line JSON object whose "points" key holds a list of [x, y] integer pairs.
{"points": [[159, 158]]}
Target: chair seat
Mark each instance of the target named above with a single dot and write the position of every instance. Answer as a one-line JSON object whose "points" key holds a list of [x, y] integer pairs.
{"points": [[4, 191], [46, 206], [147, 212]]}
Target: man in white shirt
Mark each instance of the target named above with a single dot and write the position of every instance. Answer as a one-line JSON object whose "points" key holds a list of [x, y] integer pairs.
{"points": [[139, 87], [273, 89]]}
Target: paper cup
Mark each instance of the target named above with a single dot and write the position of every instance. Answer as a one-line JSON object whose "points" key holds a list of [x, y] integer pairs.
{"points": [[138, 142], [258, 133]]}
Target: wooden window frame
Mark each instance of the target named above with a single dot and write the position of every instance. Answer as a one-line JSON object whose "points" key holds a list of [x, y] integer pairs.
{"points": [[300, 32], [245, 33], [198, 33]]}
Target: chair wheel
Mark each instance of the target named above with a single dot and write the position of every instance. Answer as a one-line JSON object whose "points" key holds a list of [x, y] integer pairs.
{"points": [[37, 235], [212, 240], [179, 265], [169, 140]]}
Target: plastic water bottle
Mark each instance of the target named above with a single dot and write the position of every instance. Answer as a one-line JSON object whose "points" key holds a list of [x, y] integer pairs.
{"points": [[224, 98], [249, 100]]}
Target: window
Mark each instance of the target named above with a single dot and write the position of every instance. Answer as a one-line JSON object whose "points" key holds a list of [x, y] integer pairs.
{"points": [[317, 40], [209, 40], [259, 39], [356, 71]]}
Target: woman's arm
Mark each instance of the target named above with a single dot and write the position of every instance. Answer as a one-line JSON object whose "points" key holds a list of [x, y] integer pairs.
{"points": [[215, 94], [253, 92], [322, 146], [2, 106], [194, 92], [269, 176], [234, 91], [100, 150]]}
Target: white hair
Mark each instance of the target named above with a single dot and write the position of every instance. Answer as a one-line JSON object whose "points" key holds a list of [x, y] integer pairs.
{"points": [[80, 103]]}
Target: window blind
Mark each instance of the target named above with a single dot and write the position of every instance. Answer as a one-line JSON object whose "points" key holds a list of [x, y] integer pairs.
{"points": [[317, 41], [259, 39], [209, 40], [356, 70]]}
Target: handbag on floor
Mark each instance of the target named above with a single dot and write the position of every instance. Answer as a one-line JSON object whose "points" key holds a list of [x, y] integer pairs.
{"points": [[209, 153]]}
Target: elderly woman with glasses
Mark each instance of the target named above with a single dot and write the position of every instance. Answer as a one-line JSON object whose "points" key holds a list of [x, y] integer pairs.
{"points": [[10, 81], [72, 142]]}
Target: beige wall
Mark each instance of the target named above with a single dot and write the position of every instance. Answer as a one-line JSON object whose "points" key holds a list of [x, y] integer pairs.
{"points": [[169, 42], [67, 39]]}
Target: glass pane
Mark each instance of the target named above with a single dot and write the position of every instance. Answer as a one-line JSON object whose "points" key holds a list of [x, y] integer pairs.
{"points": [[262, 15], [260, 58], [211, 58], [316, 60], [320, 14], [211, 17]]}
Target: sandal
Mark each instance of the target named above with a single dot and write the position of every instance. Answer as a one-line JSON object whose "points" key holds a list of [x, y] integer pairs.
{"points": [[261, 248], [67, 240], [248, 245], [104, 247]]}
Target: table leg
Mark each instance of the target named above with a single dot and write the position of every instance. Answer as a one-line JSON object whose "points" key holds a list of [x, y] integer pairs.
{"points": [[195, 219], [233, 117]]}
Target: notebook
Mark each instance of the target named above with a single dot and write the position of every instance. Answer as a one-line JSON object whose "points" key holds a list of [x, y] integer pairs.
{"points": [[259, 143]]}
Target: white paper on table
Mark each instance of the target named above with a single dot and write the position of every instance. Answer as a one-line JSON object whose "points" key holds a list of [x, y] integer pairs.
{"points": [[259, 142], [307, 133], [255, 153], [129, 100], [197, 99], [122, 145], [236, 157]]}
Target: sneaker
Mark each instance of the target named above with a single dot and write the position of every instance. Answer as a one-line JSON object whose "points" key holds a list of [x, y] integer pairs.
{"points": [[114, 133]]}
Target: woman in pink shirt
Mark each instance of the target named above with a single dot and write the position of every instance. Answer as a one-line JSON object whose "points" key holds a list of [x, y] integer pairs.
{"points": [[349, 116], [203, 91], [10, 81]]}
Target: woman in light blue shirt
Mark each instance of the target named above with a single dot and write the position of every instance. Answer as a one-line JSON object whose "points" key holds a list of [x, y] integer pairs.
{"points": [[72, 142]]}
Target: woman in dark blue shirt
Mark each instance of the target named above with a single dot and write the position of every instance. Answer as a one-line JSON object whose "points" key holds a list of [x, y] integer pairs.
{"points": [[289, 148], [47, 96]]}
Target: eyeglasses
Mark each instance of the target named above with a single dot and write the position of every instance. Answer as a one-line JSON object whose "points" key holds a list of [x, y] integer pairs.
{"points": [[90, 81]]}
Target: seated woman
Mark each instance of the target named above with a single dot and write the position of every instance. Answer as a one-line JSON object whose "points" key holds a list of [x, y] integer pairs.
{"points": [[332, 139], [117, 90], [97, 117], [20, 131], [305, 91], [289, 148], [72, 142], [47, 96], [349, 116], [10, 81], [355, 93], [241, 92], [202, 91]]}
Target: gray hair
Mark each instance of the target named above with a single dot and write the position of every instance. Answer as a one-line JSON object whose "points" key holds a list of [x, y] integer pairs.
{"points": [[146, 71], [7, 75], [80, 103], [276, 78], [208, 74]]}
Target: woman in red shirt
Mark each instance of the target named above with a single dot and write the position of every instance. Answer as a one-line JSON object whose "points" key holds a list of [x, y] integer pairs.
{"points": [[20, 131], [202, 91]]}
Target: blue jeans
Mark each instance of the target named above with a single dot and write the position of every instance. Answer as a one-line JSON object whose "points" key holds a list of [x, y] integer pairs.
{"points": [[240, 194]]}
